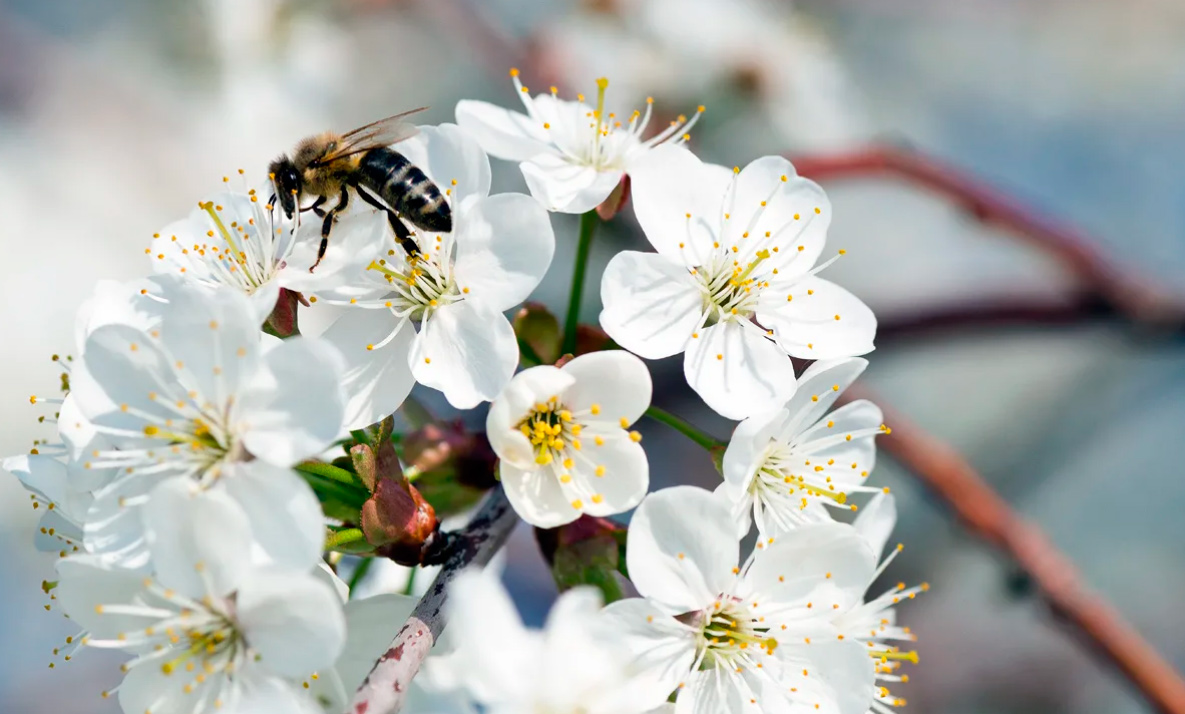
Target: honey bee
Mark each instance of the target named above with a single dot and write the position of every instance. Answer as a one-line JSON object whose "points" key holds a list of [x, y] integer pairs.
{"points": [[329, 165]]}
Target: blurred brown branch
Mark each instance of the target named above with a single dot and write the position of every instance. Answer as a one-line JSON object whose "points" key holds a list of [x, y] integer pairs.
{"points": [[990, 518], [385, 688], [1018, 312], [1126, 293]]}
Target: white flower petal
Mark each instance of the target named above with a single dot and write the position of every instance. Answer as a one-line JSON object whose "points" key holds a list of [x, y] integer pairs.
{"points": [[625, 481], [466, 350], [817, 390], [44, 475], [616, 381], [737, 371], [504, 246], [661, 649], [746, 449], [448, 154], [740, 503], [807, 327], [827, 564], [715, 689], [498, 653], [85, 582], [682, 548], [292, 620], [359, 235], [508, 135], [294, 409], [876, 520], [668, 184], [842, 676], [651, 304], [115, 531], [120, 371], [271, 695], [199, 539], [764, 202], [376, 381], [371, 626], [537, 496], [284, 513], [215, 334], [567, 187]]}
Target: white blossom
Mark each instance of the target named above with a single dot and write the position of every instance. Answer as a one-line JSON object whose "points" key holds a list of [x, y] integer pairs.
{"points": [[211, 630], [236, 239], [454, 289], [571, 666], [789, 467], [873, 622], [561, 435], [198, 398], [572, 155], [733, 285], [753, 638]]}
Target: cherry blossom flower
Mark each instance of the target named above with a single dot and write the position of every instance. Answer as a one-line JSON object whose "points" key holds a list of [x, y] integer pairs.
{"points": [[561, 434], [235, 239], [572, 155], [757, 637], [455, 288], [733, 285], [790, 467], [573, 665], [211, 630], [198, 398], [874, 622]]}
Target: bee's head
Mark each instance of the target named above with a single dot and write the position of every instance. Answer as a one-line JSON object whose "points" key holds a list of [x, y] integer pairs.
{"points": [[287, 182]]}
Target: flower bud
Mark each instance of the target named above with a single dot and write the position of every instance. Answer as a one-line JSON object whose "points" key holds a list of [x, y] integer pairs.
{"points": [[587, 551], [540, 331], [398, 521], [282, 321]]}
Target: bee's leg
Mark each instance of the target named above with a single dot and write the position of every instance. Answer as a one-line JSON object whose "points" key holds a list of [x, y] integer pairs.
{"points": [[402, 234], [327, 224], [315, 207]]}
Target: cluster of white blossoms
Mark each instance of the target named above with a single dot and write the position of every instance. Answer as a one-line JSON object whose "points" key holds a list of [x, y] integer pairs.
{"points": [[213, 468]]}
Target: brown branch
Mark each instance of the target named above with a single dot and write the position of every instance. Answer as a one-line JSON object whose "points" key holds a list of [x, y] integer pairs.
{"points": [[990, 518], [385, 688], [1022, 313], [1124, 292]]}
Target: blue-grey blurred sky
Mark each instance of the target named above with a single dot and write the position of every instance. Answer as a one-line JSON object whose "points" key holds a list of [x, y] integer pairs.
{"points": [[116, 115]]}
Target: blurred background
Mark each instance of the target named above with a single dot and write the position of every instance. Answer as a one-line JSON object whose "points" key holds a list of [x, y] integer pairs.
{"points": [[117, 115]]}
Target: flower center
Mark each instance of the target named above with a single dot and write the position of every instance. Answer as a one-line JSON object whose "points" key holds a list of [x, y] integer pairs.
{"points": [[551, 430], [597, 139], [731, 637], [418, 287], [729, 288]]}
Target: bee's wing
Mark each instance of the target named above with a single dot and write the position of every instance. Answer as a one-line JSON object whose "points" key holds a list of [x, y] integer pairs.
{"points": [[383, 132]]}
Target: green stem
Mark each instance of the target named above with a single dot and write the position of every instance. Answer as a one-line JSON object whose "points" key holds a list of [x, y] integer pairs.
{"points": [[345, 536], [677, 423], [588, 224], [528, 356], [416, 413], [328, 489], [329, 471], [359, 573]]}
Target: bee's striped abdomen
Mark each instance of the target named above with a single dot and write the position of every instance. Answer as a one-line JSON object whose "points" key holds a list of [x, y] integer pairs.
{"points": [[404, 187]]}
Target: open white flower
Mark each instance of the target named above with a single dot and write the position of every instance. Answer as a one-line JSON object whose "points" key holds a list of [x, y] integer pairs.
{"points": [[211, 631], [572, 666], [235, 239], [733, 282], [63, 506], [874, 623], [572, 155], [757, 637], [197, 398], [561, 435], [454, 288], [787, 468]]}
